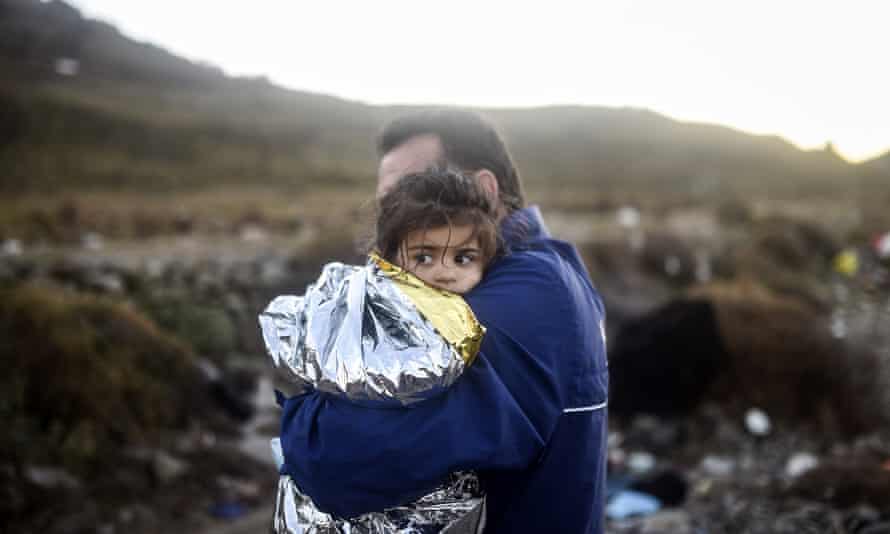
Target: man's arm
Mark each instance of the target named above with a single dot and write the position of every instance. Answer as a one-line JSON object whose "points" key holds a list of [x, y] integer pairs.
{"points": [[352, 459], [500, 414]]}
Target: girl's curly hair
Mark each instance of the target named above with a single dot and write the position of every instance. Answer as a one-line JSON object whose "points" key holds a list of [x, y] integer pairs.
{"points": [[431, 199]]}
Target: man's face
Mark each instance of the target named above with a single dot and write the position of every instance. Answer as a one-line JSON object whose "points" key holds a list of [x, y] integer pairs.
{"points": [[417, 154]]}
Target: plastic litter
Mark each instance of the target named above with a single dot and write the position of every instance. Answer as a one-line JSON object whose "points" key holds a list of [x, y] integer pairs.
{"points": [[757, 422], [51, 477], [640, 462], [718, 466], [847, 262], [882, 246], [799, 463], [11, 247], [629, 503], [228, 510], [277, 453], [628, 216]]}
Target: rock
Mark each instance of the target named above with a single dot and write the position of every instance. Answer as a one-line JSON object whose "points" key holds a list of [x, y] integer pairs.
{"points": [[861, 517], [876, 528], [273, 272], [137, 514], [106, 282], [704, 270], [51, 477], [126, 515], [81, 522], [7, 271], [89, 273], [208, 440], [241, 275], [234, 303], [702, 488], [242, 489], [92, 241], [166, 468], [617, 457], [208, 370], [133, 479], [718, 466], [139, 454], [253, 233], [154, 268], [845, 482], [640, 462], [799, 463], [806, 517], [672, 265], [231, 397], [628, 216], [667, 522], [668, 486], [757, 422], [209, 281], [666, 361], [669, 258], [652, 433], [11, 247]]}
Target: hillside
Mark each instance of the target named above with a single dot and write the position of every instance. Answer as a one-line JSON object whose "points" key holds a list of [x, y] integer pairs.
{"points": [[880, 164], [84, 107]]}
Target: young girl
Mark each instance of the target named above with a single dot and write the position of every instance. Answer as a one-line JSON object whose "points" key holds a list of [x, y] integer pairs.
{"points": [[392, 332]]}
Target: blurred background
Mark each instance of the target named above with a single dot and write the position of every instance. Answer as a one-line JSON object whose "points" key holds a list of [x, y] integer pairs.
{"points": [[167, 169]]}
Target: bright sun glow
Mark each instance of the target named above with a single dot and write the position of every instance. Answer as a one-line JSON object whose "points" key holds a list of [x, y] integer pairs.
{"points": [[810, 71]]}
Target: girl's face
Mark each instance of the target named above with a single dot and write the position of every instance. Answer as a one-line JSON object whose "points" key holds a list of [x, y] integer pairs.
{"points": [[447, 257]]}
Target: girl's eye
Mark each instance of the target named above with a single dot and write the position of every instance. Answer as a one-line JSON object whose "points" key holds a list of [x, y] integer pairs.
{"points": [[423, 259], [463, 259]]}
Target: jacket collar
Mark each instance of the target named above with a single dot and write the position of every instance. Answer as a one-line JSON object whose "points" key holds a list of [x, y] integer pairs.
{"points": [[523, 226]]}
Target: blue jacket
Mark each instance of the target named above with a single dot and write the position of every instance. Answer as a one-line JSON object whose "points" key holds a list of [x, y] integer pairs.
{"points": [[529, 414]]}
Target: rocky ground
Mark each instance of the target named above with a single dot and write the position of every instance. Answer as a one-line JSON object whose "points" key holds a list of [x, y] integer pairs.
{"points": [[212, 469], [197, 481], [747, 478], [718, 466]]}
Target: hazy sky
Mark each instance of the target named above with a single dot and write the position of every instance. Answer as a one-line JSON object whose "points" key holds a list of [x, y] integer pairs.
{"points": [[808, 70]]}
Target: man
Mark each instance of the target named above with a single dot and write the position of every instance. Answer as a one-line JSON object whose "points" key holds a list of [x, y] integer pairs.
{"points": [[529, 415]]}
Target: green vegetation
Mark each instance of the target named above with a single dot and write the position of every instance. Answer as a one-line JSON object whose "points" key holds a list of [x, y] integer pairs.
{"points": [[207, 329], [136, 118], [84, 375]]}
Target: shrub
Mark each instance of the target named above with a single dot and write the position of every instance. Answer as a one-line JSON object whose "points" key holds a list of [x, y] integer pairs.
{"points": [[84, 374], [207, 329]]}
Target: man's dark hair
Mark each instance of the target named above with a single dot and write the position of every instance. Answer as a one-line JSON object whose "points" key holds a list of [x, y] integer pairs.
{"points": [[469, 141]]}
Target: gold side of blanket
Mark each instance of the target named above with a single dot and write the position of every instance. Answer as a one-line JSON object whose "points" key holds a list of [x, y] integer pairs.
{"points": [[448, 312]]}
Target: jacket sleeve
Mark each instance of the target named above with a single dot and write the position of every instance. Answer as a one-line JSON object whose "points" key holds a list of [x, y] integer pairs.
{"points": [[352, 459]]}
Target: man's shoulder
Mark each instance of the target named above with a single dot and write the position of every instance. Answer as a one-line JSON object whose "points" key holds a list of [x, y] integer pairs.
{"points": [[544, 265], [530, 283]]}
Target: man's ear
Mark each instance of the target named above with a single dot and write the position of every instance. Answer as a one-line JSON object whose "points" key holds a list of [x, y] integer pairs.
{"points": [[489, 183]]}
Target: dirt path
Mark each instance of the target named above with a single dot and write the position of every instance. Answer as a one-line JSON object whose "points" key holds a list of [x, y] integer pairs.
{"points": [[255, 443], [186, 249]]}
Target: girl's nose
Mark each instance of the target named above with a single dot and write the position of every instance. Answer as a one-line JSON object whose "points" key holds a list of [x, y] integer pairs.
{"points": [[444, 274]]}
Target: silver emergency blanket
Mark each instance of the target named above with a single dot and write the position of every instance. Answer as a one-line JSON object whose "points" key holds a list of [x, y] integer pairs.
{"points": [[357, 334], [456, 508]]}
